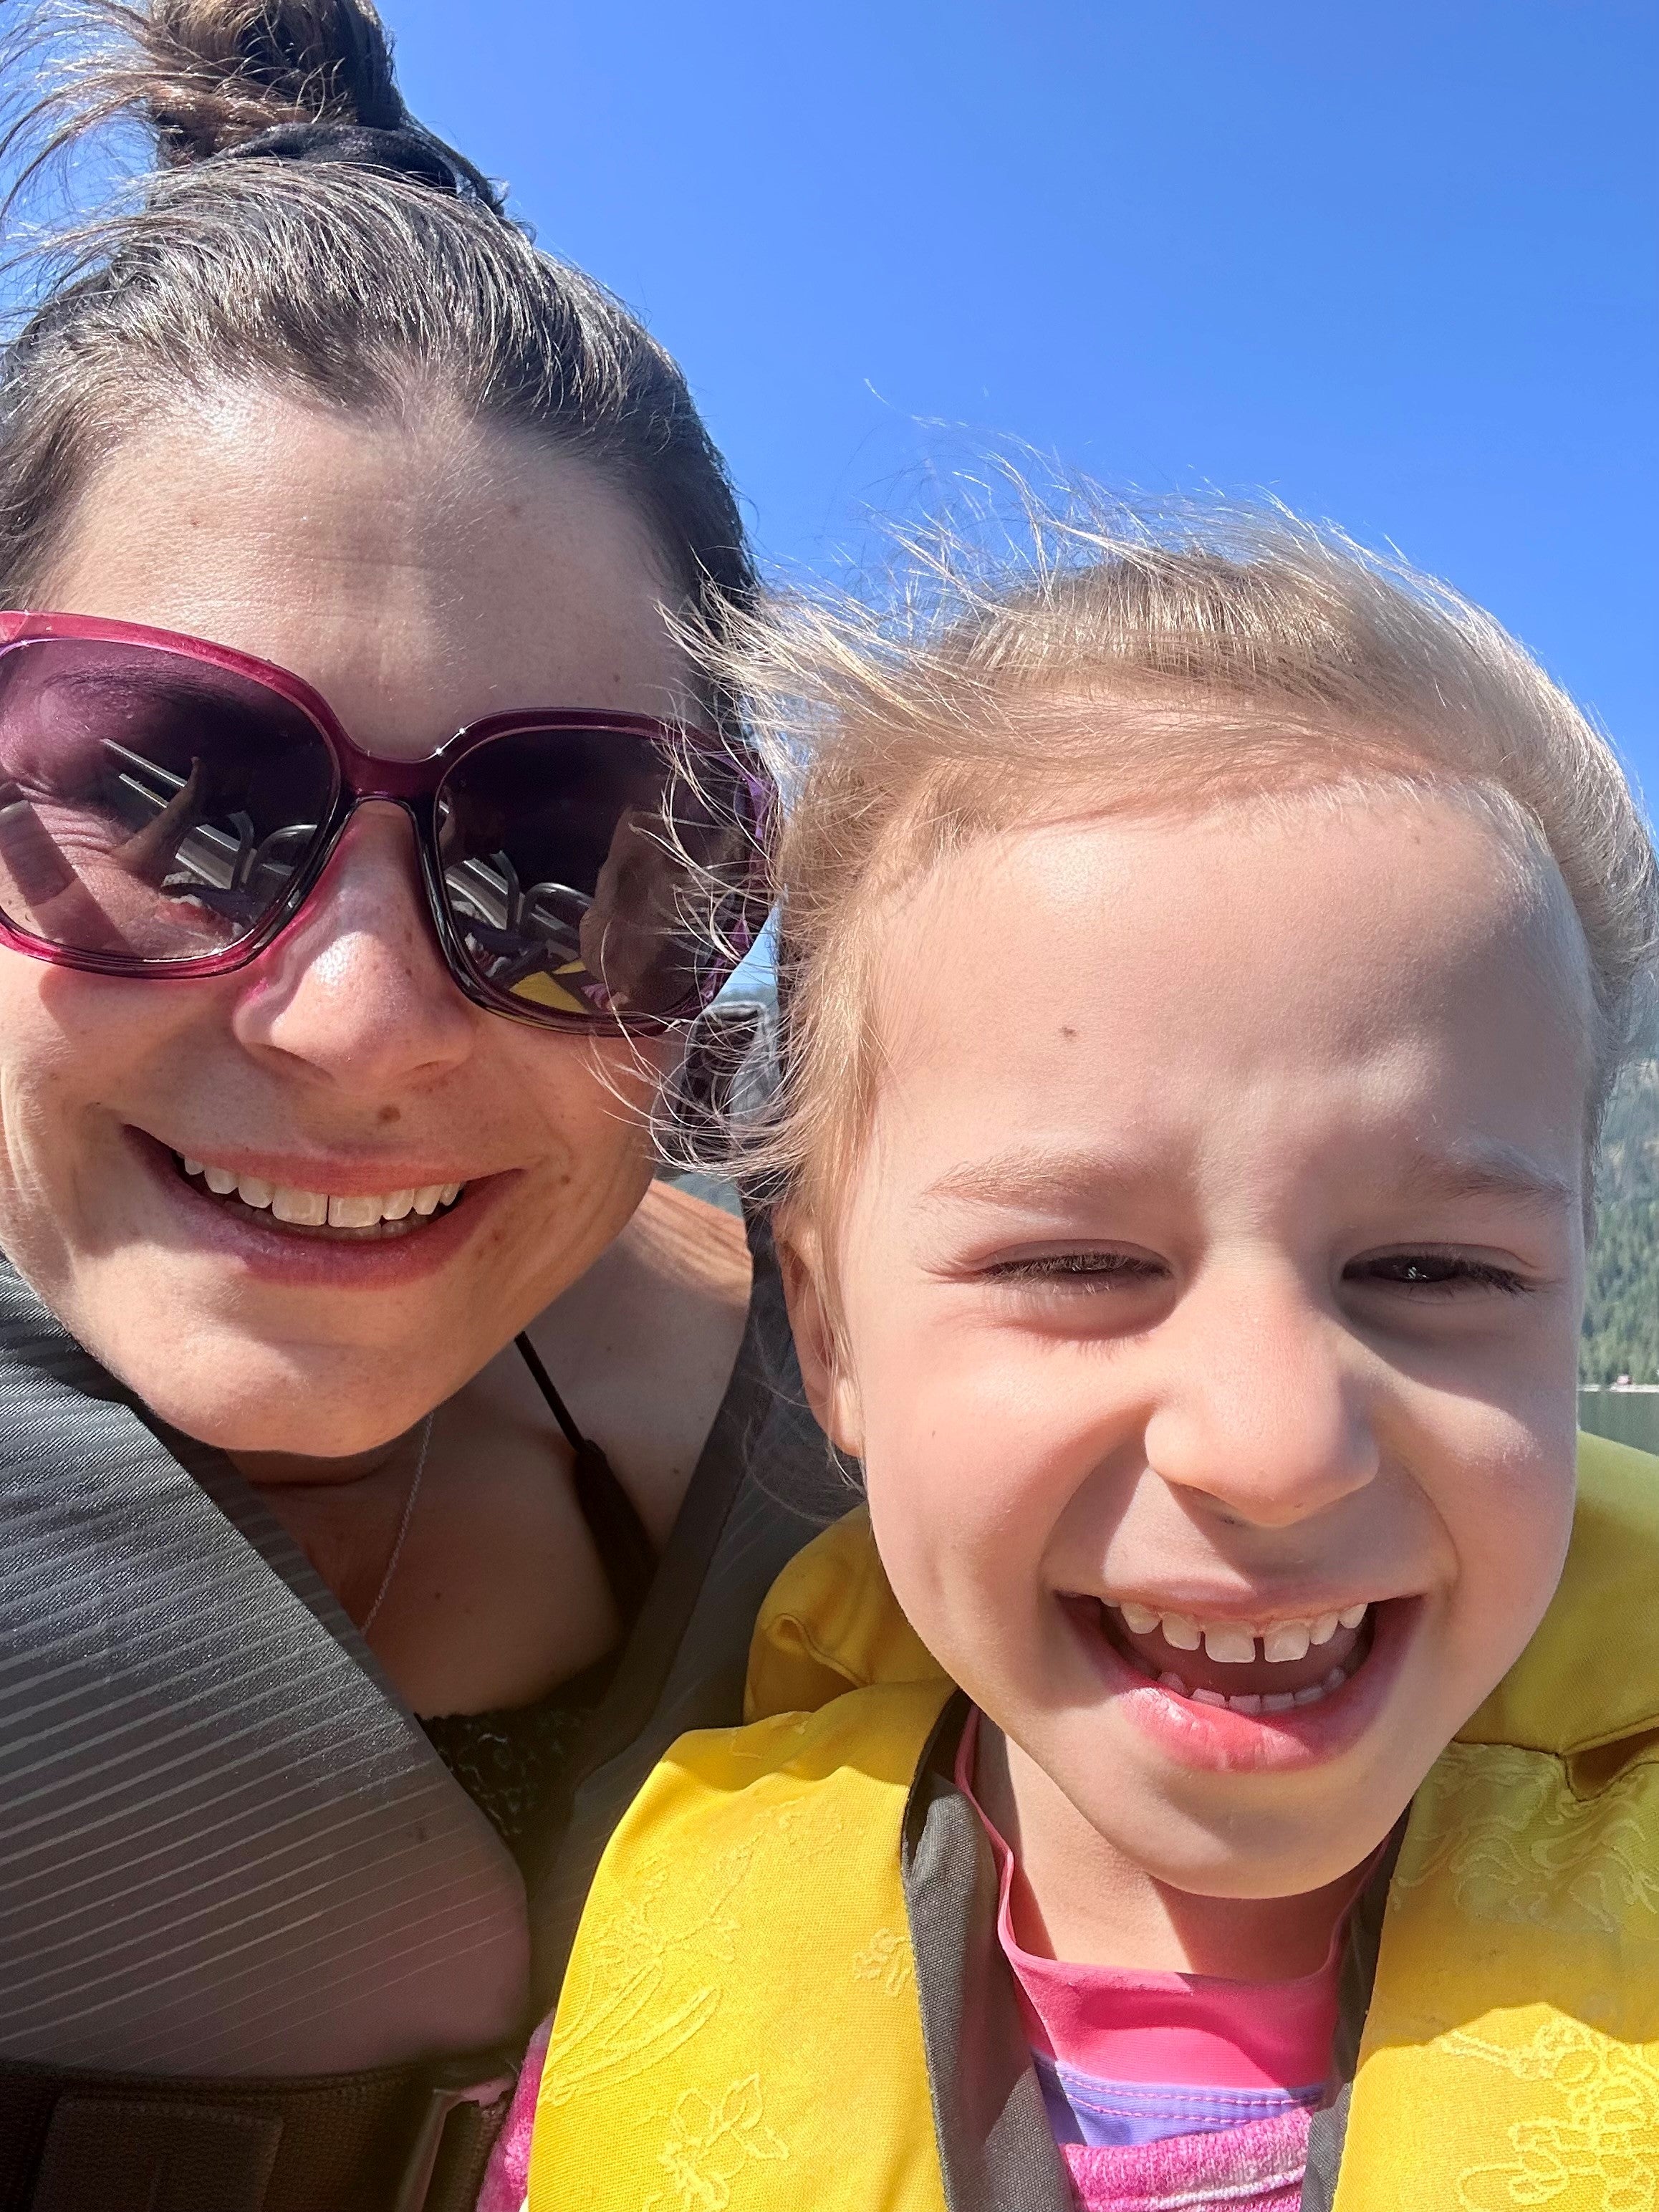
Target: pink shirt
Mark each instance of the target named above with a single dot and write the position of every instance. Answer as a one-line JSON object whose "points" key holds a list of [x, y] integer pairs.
{"points": [[506, 2179], [1167, 2083]]}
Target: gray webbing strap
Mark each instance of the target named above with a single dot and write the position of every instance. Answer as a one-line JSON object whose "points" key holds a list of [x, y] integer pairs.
{"points": [[224, 1847], [996, 2146]]}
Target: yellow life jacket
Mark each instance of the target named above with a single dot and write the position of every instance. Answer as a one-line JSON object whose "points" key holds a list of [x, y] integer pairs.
{"points": [[742, 2025]]}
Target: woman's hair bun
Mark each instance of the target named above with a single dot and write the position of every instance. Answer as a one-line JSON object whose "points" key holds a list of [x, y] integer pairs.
{"points": [[306, 80], [221, 71], [304, 232]]}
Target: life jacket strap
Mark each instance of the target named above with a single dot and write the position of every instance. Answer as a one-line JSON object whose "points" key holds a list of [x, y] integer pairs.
{"points": [[400, 2139]]}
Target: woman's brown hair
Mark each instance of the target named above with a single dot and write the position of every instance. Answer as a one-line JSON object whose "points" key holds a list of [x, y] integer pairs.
{"points": [[300, 233]]}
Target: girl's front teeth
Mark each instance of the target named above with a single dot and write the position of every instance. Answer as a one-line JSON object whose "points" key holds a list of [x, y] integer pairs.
{"points": [[1235, 1643], [1271, 1643], [317, 1209]]}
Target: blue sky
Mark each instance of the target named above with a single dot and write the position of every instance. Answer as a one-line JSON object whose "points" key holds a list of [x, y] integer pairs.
{"points": [[1394, 262]]}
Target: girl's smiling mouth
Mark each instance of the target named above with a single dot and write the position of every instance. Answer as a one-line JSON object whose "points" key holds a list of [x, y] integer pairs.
{"points": [[1273, 1693], [1251, 1667]]}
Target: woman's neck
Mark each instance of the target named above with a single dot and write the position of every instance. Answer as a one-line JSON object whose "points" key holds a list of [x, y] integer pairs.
{"points": [[344, 1513], [499, 1593], [1076, 1897], [284, 1471]]}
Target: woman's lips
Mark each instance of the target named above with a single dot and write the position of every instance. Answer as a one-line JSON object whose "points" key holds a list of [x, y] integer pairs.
{"points": [[1196, 1733], [399, 1212], [379, 1258]]}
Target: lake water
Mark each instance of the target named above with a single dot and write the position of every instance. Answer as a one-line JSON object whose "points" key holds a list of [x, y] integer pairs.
{"points": [[1631, 1417]]}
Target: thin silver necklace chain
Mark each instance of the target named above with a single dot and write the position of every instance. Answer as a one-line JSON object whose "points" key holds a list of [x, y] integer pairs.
{"points": [[402, 1537]]}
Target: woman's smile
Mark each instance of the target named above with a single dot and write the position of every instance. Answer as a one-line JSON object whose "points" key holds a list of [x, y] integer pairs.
{"points": [[385, 1212], [291, 1223]]}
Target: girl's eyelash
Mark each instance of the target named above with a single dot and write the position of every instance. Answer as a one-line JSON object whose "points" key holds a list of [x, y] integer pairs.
{"points": [[1435, 1271], [1058, 1266], [1423, 1272]]}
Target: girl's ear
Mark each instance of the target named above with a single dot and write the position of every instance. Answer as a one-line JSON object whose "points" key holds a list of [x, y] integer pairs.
{"points": [[830, 1391]]}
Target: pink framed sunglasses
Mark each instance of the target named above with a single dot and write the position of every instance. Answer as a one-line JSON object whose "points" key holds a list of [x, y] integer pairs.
{"points": [[167, 806]]}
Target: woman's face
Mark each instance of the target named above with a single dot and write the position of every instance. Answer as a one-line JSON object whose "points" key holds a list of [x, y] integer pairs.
{"points": [[421, 575]]}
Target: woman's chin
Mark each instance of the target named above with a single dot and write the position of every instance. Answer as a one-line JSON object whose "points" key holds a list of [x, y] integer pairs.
{"points": [[257, 1424], [247, 1394]]}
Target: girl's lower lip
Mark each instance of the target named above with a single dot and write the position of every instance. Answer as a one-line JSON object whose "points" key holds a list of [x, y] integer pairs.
{"points": [[1216, 1738], [272, 1253]]}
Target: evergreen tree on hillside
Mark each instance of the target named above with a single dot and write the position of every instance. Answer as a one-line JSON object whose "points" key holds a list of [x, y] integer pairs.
{"points": [[1621, 1317]]}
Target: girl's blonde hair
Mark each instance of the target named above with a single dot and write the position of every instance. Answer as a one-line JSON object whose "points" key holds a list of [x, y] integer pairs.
{"points": [[1177, 664]]}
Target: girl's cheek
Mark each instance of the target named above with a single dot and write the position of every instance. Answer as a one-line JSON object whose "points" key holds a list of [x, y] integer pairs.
{"points": [[959, 1519], [1510, 1531]]}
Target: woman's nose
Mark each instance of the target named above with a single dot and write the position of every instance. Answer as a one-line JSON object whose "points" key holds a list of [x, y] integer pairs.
{"points": [[355, 993], [1264, 1409]]}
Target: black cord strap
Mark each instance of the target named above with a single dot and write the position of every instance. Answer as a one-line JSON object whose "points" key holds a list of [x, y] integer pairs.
{"points": [[626, 1551]]}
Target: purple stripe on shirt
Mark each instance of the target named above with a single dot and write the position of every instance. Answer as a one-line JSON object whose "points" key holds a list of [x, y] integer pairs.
{"points": [[1105, 2115]]}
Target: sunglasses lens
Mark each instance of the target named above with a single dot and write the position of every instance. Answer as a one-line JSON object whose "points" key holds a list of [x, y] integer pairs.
{"points": [[594, 874], [153, 808]]}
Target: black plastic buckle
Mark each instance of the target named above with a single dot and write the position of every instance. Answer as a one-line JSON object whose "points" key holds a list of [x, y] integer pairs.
{"points": [[483, 2083]]}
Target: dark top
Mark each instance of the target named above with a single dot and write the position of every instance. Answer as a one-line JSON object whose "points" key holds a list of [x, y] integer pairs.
{"points": [[512, 1762], [230, 1851]]}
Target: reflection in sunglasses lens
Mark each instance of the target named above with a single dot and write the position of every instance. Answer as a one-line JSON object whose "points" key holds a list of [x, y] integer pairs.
{"points": [[586, 869], [151, 807]]}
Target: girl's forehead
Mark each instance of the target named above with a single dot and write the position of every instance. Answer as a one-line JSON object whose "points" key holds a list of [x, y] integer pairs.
{"points": [[1401, 958], [1311, 891]]}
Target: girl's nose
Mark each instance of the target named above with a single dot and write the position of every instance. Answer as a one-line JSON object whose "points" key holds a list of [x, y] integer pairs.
{"points": [[1264, 1409], [355, 993]]}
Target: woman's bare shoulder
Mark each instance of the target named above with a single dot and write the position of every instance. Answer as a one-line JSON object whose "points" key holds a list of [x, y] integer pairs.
{"points": [[643, 1346], [642, 1351], [691, 1243]]}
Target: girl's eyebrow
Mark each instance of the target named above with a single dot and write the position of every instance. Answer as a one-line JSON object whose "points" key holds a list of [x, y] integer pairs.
{"points": [[1039, 1176], [1495, 1171]]}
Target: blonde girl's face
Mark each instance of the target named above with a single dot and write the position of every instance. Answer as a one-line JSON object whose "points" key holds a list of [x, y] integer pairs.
{"points": [[1209, 1295]]}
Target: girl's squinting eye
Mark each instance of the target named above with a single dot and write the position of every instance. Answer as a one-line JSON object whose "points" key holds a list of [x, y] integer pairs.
{"points": [[1431, 1272], [1086, 1271]]}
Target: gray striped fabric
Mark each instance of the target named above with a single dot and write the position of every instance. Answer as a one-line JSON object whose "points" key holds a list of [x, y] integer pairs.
{"points": [[764, 1486], [225, 1848]]}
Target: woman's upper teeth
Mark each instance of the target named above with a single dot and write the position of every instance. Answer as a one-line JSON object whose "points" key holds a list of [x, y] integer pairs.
{"points": [[313, 1209], [1235, 1642]]}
